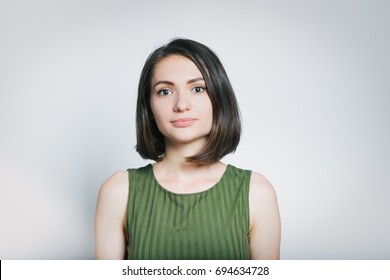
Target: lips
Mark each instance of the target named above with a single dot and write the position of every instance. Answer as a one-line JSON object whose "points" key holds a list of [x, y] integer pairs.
{"points": [[183, 122]]}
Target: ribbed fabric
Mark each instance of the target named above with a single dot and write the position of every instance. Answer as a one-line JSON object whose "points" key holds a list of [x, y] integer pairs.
{"points": [[213, 224]]}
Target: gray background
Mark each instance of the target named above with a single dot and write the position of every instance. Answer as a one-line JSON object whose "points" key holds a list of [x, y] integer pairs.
{"points": [[311, 77]]}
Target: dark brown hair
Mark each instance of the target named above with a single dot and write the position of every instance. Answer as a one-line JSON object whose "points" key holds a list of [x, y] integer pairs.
{"points": [[226, 127]]}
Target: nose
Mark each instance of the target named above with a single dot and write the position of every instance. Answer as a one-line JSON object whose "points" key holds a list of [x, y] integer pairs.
{"points": [[182, 103]]}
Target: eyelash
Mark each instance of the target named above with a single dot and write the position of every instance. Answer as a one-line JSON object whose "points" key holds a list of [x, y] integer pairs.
{"points": [[165, 91], [160, 92], [198, 87]]}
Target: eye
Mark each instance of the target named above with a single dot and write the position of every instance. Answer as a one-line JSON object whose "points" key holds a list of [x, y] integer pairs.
{"points": [[164, 91], [198, 89]]}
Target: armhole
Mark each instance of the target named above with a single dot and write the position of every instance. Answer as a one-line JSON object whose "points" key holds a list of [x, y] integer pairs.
{"points": [[248, 190], [248, 219], [130, 173]]}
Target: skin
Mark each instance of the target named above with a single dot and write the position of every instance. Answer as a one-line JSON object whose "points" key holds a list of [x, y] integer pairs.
{"points": [[183, 113]]}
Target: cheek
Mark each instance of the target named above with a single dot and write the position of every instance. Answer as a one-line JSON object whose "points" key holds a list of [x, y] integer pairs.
{"points": [[209, 109], [157, 115], [207, 112], [154, 109]]}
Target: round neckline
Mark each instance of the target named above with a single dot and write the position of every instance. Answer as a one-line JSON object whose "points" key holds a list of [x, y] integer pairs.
{"points": [[188, 194]]}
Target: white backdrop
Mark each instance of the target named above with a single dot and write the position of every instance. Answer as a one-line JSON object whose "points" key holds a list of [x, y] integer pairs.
{"points": [[311, 77]]}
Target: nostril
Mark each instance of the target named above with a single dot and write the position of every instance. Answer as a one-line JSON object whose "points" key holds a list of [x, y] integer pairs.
{"points": [[182, 105]]}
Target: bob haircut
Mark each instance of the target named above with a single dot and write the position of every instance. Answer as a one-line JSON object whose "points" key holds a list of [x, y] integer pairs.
{"points": [[226, 122]]}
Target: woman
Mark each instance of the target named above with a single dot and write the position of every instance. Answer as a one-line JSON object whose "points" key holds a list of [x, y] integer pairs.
{"points": [[188, 204]]}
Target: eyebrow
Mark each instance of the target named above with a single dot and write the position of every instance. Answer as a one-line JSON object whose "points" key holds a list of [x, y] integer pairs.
{"points": [[171, 83]]}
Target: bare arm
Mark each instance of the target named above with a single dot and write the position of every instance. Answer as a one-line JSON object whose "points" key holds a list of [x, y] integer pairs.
{"points": [[110, 240], [265, 219]]}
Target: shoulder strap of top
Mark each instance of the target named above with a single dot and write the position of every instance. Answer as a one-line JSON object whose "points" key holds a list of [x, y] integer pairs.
{"points": [[133, 174]]}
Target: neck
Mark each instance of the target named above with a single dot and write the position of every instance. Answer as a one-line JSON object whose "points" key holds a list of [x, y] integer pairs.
{"points": [[175, 157], [178, 175], [177, 153], [175, 173]]}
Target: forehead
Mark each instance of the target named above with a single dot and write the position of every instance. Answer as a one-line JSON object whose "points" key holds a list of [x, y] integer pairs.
{"points": [[175, 68]]}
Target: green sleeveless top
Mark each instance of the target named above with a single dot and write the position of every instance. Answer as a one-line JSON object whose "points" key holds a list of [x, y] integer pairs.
{"points": [[212, 224]]}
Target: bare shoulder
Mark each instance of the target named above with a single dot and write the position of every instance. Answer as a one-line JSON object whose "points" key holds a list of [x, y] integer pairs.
{"points": [[113, 194], [115, 185], [262, 199], [110, 217], [264, 219], [261, 189]]}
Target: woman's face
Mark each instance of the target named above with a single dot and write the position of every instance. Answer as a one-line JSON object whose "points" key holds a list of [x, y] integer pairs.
{"points": [[179, 101]]}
